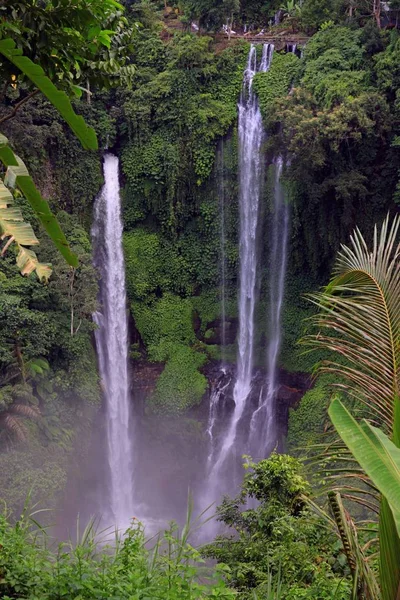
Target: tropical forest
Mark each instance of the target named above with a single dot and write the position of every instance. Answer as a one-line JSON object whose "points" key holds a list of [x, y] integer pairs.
{"points": [[200, 299]]}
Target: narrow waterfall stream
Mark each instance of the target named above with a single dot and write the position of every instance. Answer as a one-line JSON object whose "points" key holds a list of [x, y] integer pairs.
{"points": [[222, 244], [251, 135], [112, 344], [262, 435]]}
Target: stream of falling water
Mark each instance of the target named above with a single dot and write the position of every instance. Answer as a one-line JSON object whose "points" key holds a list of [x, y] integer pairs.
{"points": [[262, 435], [112, 344], [251, 171], [221, 193]]}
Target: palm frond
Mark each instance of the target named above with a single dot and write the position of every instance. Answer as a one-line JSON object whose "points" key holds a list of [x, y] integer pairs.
{"points": [[359, 320], [364, 578]]}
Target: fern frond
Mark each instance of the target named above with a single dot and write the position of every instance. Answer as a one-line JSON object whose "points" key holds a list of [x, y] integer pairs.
{"points": [[32, 412], [14, 426]]}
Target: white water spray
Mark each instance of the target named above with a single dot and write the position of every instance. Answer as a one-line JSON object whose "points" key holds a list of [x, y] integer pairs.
{"points": [[112, 343]]}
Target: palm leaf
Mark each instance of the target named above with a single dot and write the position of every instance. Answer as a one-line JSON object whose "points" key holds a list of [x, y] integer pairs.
{"points": [[359, 320], [363, 576], [25, 411], [59, 99], [14, 426]]}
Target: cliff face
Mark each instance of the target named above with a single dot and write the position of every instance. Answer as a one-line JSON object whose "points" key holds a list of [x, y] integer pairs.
{"points": [[291, 388]]}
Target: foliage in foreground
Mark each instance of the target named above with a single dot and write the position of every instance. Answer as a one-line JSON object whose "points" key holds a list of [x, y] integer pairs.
{"points": [[280, 540], [89, 569], [359, 321]]}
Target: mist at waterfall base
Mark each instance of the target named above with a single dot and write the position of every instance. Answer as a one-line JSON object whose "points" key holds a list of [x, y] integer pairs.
{"points": [[142, 465]]}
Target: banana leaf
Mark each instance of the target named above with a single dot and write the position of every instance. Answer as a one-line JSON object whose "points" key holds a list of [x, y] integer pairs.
{"points": [[375, 453], [59, 99], [18, 176]]}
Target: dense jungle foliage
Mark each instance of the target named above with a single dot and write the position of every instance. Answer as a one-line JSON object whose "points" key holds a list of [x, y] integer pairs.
{"points": [[159, 83]]}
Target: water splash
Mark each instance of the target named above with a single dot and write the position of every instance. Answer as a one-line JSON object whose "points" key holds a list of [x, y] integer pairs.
{"points": [[112, 343]]}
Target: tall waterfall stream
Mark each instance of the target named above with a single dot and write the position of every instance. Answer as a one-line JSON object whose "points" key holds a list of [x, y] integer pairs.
{"points": [[256, 419], [251, 173], [262, 438], [112, 344]]}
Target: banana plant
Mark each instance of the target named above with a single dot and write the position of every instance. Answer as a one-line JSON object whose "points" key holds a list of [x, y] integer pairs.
{"points": [[359, 323], [58, 98], [374, 451], [12, 226]]}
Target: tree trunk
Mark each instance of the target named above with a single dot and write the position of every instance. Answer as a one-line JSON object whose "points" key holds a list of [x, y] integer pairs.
{"points": [[20, 359], [377, 12], [71, 298]]}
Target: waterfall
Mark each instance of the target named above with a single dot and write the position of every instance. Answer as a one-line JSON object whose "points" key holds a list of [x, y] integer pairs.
{"points": [[217, 393], [221, 194], [112, 342], [251, 137], [262, 435]]}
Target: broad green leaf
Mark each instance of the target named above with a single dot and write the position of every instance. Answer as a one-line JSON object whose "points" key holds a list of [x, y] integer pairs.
{"points": [[18, 175], [375, 453], [5, 197], [59, 99], [389, 552], [12, 225]]}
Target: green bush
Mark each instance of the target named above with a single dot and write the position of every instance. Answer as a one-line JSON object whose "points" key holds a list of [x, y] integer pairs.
{"points": [[307, 421], [180, 386], [166, 327], [92, 569], [153, 266], [278, 538], [276, 81]]}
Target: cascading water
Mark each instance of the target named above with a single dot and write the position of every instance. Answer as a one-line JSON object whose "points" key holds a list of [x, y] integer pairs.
{"points": [[262, 431], [250, 181], [221, 193], [112, 342]]}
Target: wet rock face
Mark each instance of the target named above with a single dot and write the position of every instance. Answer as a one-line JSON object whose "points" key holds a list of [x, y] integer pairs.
{"points": [[144, 376], [291, 388]]}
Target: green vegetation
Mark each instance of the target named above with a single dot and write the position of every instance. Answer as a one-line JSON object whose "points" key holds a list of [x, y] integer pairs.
{"points": [[84, 75], [94, 569], [276, 82], [338, 126], [281, 544], [359, 309]]}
